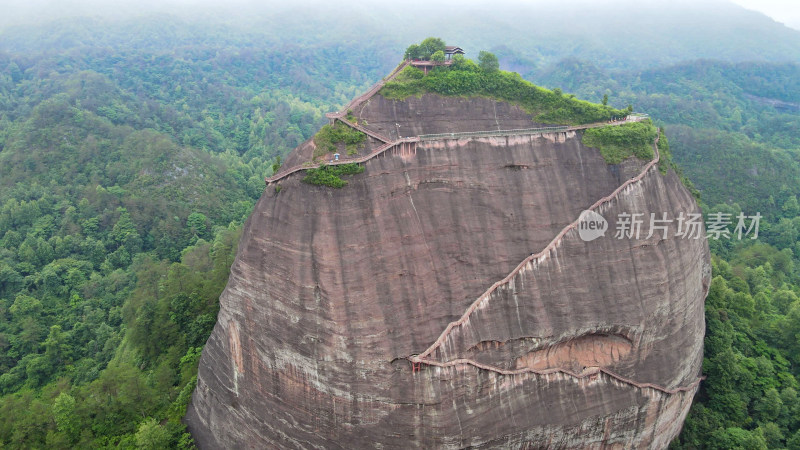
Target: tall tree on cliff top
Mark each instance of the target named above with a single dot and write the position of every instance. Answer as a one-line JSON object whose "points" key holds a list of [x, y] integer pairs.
{"points": [[488, 61], [425, 49]]}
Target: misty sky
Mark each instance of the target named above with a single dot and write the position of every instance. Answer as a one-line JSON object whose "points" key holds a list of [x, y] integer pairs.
{"points": [[784, 11], [26, 11]]}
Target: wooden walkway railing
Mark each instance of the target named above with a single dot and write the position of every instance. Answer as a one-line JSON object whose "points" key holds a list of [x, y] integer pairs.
{"points": [[383, 148], [423, 358], [339, 115], [463, 134], [366, 131], [534, 256], [283, 173], [372, 91]]}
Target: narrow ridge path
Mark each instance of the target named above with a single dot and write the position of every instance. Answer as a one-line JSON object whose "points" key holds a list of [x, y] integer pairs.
{"points": [[283, 174], [472, 134], [367, 131], [340, 115], [366, 95]]}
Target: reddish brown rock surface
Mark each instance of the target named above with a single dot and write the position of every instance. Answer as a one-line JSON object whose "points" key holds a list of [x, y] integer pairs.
{"points": [[590, 345]]}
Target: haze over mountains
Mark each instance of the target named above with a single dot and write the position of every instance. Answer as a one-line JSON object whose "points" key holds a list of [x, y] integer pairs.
{"points": [[621, 35]]}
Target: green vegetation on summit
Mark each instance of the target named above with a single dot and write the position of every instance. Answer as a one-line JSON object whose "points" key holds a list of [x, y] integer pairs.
{"points": [[465, 78], [462, 77]]}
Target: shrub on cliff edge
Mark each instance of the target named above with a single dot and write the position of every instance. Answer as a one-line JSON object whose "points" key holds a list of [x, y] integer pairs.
{"points": [[331, 175], [619, 142]]}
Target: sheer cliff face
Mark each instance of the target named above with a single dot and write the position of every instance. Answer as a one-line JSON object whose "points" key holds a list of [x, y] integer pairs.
{"points": [[590, 344]]}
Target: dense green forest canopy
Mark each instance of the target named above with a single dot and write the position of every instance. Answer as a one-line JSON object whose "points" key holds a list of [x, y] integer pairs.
{"points": [[132, 150], [125, 176]]}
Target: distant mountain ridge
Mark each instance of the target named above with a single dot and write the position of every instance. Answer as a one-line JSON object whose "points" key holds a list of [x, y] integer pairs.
{"points": [[620, 35]]}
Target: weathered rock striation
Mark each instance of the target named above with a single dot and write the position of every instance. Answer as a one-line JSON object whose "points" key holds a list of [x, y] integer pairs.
{"points": [[444, 298]]}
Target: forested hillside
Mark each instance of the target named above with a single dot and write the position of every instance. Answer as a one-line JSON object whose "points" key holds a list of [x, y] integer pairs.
{"points": [[132, 151], [126, 175]]}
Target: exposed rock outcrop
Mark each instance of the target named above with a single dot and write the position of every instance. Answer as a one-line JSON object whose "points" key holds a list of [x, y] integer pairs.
{"points": [[443, 298]]}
